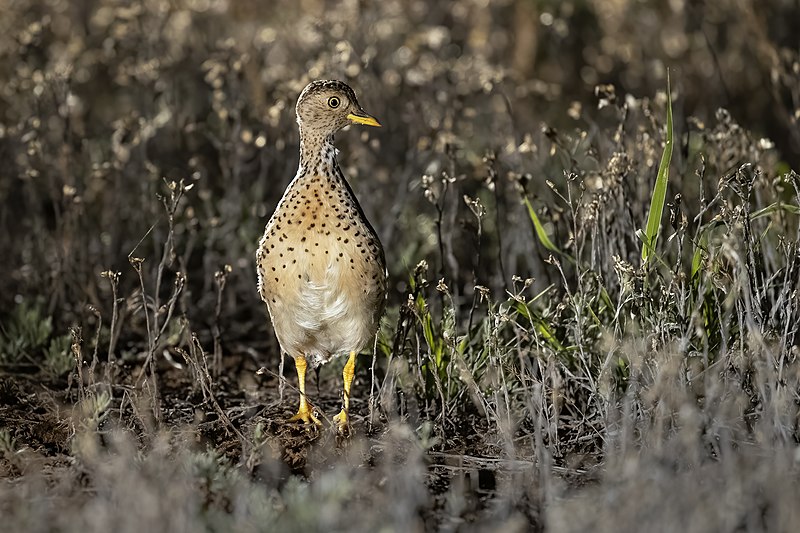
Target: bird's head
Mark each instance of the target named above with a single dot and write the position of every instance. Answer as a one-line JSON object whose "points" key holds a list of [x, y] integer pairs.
{"points": [[326, 106]]}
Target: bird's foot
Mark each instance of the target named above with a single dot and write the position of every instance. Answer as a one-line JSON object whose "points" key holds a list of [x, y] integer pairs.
{"points": [[342, 422], [306, 415]]}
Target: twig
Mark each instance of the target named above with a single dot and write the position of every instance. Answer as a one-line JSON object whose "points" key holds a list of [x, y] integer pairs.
{"points": [[113, 281], [220, 277], [196, 359]]}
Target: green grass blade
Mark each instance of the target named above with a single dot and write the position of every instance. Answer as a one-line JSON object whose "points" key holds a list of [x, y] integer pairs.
{"points": [[659, 195], [537, 225], [700, 251], [774, 208]]}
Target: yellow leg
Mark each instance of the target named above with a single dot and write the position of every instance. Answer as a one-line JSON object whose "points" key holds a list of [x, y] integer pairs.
{"points": [[304, 413], [349, 371]]}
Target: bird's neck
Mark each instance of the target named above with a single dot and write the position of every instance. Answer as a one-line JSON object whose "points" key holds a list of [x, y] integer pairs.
{"points": [[317, 155]]}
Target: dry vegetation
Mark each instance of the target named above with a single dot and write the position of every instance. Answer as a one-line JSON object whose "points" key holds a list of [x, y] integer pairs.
{"points": [[532, 372]]}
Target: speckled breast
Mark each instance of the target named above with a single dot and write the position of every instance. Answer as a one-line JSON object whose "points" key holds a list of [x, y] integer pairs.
{"points": [[321, 270]]}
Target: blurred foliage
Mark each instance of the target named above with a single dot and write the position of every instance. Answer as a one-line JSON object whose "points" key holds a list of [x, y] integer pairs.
{"points": [[25, 331], [101, 100]]}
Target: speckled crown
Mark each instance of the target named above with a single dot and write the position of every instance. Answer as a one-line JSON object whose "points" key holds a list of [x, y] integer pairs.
{"points": [[328, 85]]}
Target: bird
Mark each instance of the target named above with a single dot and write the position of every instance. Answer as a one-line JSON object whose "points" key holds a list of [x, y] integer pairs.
{"points": [[321, 266]]}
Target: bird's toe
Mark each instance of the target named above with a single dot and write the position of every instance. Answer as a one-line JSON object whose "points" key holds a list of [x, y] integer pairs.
{"points": [[342, 422]]}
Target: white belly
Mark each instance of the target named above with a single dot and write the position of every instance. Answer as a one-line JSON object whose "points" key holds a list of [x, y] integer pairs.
{"points": [[325, 314]]}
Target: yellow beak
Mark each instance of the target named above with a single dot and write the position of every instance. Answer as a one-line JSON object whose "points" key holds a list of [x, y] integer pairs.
{"points": [[360, 117]]}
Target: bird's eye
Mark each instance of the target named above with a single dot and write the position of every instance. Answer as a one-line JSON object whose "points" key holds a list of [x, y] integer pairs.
{"points": [[334, 102]]}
